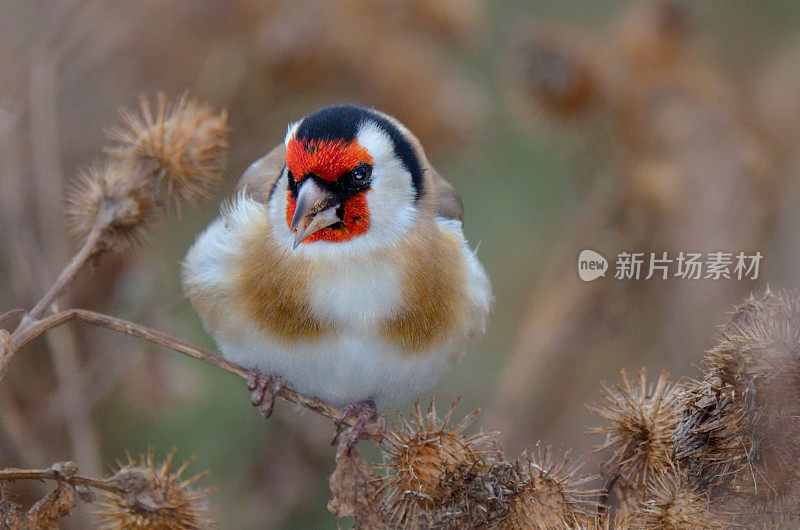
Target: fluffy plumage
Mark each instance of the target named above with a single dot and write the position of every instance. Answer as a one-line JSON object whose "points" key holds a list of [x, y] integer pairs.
{"points": [[380, 314]]}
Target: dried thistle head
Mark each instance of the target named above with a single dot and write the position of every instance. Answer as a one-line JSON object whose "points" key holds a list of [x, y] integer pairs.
{"points": [[58, 503], [549, 494], [479, 499], [641, 421], [537, 490], [423, 455], [741, 429], [153, 496], [182, 143], [113, 198], [672, 503], [176, 153]]}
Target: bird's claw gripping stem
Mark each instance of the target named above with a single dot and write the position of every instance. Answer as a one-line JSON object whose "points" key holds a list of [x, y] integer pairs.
{"points": [[264, 389], [364, 413]]}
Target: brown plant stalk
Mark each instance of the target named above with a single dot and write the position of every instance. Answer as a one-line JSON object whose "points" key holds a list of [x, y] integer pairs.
{"points": [[68, 273], [60, 472], [26, 334]]}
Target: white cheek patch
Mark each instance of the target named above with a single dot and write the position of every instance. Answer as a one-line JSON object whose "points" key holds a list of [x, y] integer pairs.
{"points": [[391, 200]]}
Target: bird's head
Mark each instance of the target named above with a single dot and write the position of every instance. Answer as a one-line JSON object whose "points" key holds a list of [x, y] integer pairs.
{"points": [[353, 177]]}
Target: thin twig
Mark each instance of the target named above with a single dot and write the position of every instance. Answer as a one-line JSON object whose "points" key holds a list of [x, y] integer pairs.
{"points": [[67, 274], [54, 473], [8, 314], [35, 329]]}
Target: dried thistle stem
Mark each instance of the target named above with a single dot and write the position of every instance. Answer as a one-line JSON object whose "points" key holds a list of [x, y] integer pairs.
{"points": [[37, 328], [59, 472], [67, 275]]}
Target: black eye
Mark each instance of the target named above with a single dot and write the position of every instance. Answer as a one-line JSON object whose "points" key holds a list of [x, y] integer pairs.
{"points": [[291, 183], [361, 173]]}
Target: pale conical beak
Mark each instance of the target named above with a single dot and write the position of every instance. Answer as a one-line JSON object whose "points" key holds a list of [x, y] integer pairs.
{"points": [[315, 209]]}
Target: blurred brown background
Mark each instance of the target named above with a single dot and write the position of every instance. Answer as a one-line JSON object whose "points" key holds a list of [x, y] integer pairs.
{"points": [[612, 126]]}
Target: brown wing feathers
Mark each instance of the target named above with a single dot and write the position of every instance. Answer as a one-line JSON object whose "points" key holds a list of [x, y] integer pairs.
{"points": [[258, 180], [448, 201]]}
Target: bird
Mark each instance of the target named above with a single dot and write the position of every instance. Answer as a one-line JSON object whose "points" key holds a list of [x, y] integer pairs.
{"points": [[339, 268]]}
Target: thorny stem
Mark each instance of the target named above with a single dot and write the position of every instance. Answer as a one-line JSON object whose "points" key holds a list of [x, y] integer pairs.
{"points": [[30, 332], [54, 473]]}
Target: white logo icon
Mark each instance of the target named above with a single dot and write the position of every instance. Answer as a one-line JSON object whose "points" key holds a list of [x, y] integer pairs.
{"points": [[591, 265]]}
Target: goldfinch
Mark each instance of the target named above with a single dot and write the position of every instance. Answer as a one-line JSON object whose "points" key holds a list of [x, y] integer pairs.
{"points": [[340, 267]]}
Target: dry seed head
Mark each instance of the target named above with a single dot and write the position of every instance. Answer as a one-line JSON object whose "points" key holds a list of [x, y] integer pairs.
{"points": [[176, 153], [155, 497], [183, 144], [58, 503], [538, 490], [480, 497], [550, 494], [641, 421], [112, 197], [671, 503], [423, 454], [741, 430]]}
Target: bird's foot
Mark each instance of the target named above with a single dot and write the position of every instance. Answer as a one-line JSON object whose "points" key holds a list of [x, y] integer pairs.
{"points": [[363, 413], [265, 388]]}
